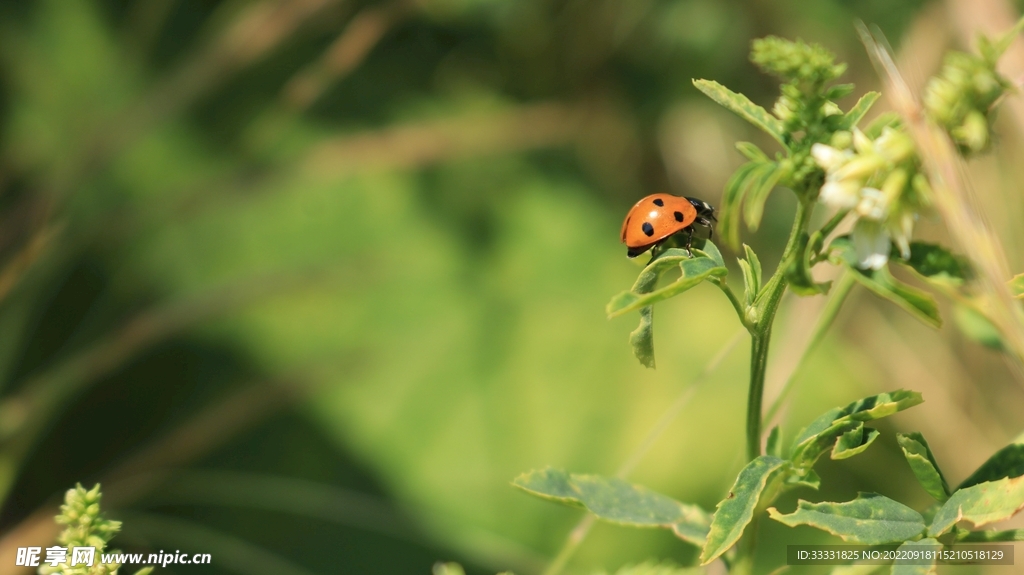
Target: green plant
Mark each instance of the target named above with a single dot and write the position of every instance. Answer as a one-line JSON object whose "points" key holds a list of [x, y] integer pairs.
{"points": [[874, 176], [85, 527]]}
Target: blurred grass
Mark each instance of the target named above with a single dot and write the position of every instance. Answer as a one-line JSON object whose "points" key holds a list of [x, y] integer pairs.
{"points": [[442, 220]]}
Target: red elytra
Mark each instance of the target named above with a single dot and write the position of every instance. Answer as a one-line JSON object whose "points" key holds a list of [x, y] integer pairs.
{"points": [[655, 218]]}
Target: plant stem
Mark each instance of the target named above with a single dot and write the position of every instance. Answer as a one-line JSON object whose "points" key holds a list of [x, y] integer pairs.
{"points": [[735, 301]]}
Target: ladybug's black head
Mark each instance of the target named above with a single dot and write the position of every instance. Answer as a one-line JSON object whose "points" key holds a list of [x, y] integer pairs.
{"points": [[704, 209]]}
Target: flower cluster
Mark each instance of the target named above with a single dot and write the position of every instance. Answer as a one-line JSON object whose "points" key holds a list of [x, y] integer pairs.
{"points": [[85, 527], [961, 97], [879, 183]]}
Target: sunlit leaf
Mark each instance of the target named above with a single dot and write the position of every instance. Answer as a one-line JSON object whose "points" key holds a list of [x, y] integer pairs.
{"points": [[913, 566], [853, 442], [743, 107], [694, 271], [857, 112], [612, 499], [980, 505], [923, 464], [735, 511], [870, 519], [1007, 462]]}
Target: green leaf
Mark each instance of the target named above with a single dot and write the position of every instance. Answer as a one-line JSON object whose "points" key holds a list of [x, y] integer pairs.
{"points": [[773, 446], [923, 464], [937, 264], [853, 442], [735, 511], [920, 304], [899, 567], [732, 199], [822, 433], [979, 505], [1017, 286], [743, 107], [1007, 462], [857, 112], [654, 568], [694, 271], [870, 519], [612, 499], [856, 569], [973, 324], [753, 205], [798, 269], [752, 152], [992, 536], [880, 123], [710, 250]]}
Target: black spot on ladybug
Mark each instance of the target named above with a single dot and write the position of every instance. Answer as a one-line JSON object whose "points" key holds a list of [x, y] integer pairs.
{"points": [[658, 202], [679, 216], [648, 229]]}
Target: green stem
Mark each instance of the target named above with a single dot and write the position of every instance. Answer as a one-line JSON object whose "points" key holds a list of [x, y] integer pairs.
{"points": [[735, 301]]}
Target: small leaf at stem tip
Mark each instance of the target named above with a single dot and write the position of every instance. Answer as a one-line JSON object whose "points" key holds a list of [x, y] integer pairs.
{"points": [[853, 442], [980, 505], [859, 110], [1007, 462], [732, 199], [870, 519], [617, 501], [1017, 286], [922, 463], [743, 107], [753, 205], [736, 510], [913, 566], [773, 446]]}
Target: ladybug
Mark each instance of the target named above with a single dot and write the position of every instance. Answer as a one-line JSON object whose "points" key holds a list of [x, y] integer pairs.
{"points": [[659, 217]]}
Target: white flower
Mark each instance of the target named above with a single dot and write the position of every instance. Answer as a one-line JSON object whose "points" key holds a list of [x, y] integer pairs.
{"points": [[830, 158], [872, 244], [841, 195], [873, 204]]}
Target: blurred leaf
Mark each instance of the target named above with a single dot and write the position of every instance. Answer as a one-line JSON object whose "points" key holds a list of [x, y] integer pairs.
{"points": [[979, 505], [880, 123], [857, 112], [798, 269], [743, 107], [1007, 462], [773, 446], [870, 519], [856, 569], [920, 304], [694, 271], [618, 501], [657, 568], [853, 442], [752, 152], [753, 205], [735, 511], [448, 569], [822, 433], [144, 571], [937, 264], [899, 567], [923, 464], [973, 324], [1017, 286]]}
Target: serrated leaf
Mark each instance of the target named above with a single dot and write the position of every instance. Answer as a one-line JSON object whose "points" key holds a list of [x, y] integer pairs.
{"points": [[753, 204], [1017, 286], [752, 152], [853, 442], [936, 264], [821, 434], [858, 111], [913, 566], [773, 446], [735, 511], [744, 108], [923, 464], [870, 519], [980, 505], [1007, 462], [694, 271], [920, 304], [617, 501]]}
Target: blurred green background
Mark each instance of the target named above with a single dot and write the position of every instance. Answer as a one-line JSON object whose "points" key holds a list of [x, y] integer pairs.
{"points": [[305, 284]]}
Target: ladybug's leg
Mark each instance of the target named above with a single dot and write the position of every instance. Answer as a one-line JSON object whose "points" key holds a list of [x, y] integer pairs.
{"points": [[689, 240]]}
